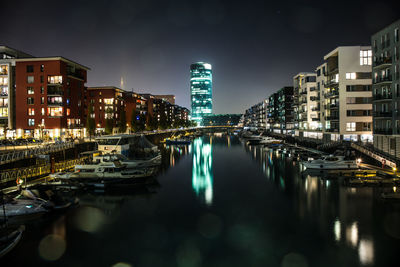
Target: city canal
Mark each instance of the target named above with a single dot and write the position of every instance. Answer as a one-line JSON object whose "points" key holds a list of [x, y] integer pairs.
{"points": [[221, 203]]}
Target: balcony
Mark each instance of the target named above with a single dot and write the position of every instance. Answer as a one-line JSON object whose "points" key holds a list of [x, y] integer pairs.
{"points": [[76, 75], [383, 131], [54, 90], [332, 106], [55, 103], [382, 114], [386, 79], [332, 130], [314, 98], [382, 97], [382, 62], [334, 93], [316, 109], [313, 89], [315, 119], [304, 92], [332, 118]]}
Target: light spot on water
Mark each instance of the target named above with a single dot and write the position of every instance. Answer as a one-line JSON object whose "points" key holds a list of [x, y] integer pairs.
{"points": [[89, 219], [52, 247], [366, 252]]}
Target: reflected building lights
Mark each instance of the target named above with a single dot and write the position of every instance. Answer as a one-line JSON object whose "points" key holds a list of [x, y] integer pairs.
{"points": [[366, 252], [352, 234], [337, 230], [202, 180]]}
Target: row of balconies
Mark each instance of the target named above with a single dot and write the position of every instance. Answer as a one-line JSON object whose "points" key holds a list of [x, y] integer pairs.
{"points": [[383, 79], [383, 114]]}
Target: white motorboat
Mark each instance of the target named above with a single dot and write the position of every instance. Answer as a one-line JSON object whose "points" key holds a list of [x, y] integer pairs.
{"points": [[130, 163], [331, 163], [109, 172], [269, 140]]}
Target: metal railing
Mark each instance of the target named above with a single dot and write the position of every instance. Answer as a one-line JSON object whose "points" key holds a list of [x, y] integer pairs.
{"points": [[16, 155]]}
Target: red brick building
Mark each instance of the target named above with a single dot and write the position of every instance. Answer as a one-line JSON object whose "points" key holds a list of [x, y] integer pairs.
{"points": [[107, 102], [50, 97]]}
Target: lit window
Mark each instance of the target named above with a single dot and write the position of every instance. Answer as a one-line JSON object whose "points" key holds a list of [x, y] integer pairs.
{"points": [[54, 79], [30, 79], [365, 57], [350, 76], [31, 122], [43, 112], [30, 90], [68, 111], [350, 126], [31, 111], [55, 112]]}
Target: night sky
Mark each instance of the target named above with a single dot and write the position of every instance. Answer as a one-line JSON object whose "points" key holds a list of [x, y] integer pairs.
{"points": [[255, 47]]}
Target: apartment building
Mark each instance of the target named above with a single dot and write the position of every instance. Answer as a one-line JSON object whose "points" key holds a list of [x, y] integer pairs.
{"points": [[256, 116], [273, 123], [7, 89], [386, 93], [307, 105], [49, 97], [285, 110], [347, 94], [107, 103], [321, 81]]}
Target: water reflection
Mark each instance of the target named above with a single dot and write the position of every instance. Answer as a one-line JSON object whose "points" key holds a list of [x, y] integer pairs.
{"points": [[342, 214], [202, 178]]}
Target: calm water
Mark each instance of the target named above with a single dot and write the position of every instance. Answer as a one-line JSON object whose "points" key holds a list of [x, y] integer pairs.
{"points": [[220, 203]]}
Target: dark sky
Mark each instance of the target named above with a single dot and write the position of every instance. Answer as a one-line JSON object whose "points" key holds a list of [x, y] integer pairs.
{"points": [[255, 47]]}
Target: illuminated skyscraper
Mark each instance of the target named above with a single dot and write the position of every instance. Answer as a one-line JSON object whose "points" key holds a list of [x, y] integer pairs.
{"points": [[200, 90]]}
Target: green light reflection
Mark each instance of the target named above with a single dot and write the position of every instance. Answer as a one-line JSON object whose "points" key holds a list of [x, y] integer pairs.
{"points": [[202, 180]]}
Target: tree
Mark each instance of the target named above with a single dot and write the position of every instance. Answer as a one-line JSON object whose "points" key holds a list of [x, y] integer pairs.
{"points": [[153, 123], [109, 121], [133, 121], [122, 121], [90, 122]]}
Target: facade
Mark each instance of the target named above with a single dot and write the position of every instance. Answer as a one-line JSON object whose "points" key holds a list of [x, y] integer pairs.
{"points": [[50, 97], [200, 90], [221, 120], [285, 110], [347, 94], [7, 89], [321, 81], [386, 91], [273, 123], [256, 116], [107, 103], [306, 103]]}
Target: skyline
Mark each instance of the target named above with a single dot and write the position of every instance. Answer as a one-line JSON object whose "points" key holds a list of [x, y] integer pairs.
{"points": [[151, 46]]}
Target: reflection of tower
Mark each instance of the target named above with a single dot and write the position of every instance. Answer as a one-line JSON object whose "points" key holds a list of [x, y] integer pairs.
{"points": [[202, 171]]}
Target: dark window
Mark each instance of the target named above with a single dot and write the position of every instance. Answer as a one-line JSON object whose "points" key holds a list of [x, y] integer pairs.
{"points": [[392, 143], [41, 68], [30, 100], [29, 68], [364, 75], [41, 89], [41, 79]]}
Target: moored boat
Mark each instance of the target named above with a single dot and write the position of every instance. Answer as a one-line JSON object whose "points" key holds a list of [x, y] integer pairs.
{"points": [[9, 238], [331, 163]]}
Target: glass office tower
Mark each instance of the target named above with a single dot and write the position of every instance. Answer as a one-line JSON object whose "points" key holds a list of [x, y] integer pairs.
{"points": [[200, 90]]}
